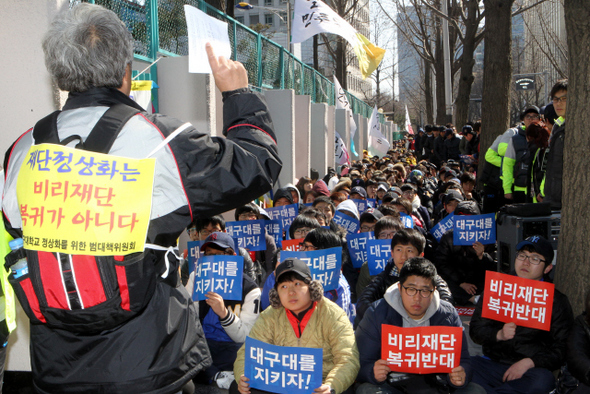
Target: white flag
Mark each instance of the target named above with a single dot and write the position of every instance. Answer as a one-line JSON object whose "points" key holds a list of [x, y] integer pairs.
{"points": [[408, 123], [342, 103], [313, 17], [378, 145], [340, 151]]}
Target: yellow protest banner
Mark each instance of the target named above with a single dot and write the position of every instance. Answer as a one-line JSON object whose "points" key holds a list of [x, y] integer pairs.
{"points": [[80, 202]]}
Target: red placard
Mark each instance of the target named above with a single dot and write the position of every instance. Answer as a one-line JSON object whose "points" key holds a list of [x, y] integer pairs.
{"points": [[291, 245], [510, 299], [421, 350]]}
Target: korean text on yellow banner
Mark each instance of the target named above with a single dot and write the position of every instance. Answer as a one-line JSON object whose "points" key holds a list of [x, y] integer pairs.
{"points": [[80, 202]]}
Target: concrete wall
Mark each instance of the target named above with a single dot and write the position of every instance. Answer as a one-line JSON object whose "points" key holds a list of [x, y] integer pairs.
{"points": [[189, 97], [302, 133], [319, 153], [281, 105]]}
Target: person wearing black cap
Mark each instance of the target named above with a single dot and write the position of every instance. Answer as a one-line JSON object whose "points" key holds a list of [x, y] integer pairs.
{"points": [[467, 129], [521, 359], [517, 159], [464, 267], [301, 316], [226, 323]]}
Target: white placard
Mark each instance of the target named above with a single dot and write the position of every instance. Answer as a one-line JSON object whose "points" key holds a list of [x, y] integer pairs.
{"points": [[203, 29]]}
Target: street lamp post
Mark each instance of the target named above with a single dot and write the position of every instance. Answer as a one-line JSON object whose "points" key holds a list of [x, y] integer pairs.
{"points": [[247, 6]]}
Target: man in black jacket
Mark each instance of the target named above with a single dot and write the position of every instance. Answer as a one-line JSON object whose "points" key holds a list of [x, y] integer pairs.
{"points": [[158, 346], [406, 243], [521, 359], [554, 155], [451, 145]]}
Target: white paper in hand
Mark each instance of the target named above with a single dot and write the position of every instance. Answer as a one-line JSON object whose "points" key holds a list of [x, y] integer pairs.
{"points": [[202, 29]]}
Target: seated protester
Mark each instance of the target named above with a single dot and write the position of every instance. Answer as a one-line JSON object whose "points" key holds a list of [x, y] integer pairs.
{"points": [[410, 193], [520, 359], [226, 323], [371, 187], [338, 197], [321, 189], [406, 243], [403, 205], [358, 193], [199, 230], [325, 205], [349, 208], [314, 214], [450, 200], [382, 188], [388, 210], [468, 184], [385, 228], [368, 221], [300, 316], [282, 197], [464, 267], [267, 259], [309, 197], [317, 239], [411, 302], [578, 350]]}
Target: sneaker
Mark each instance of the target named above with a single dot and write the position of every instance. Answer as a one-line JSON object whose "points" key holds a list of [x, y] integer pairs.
{"points": [[224, 379]]}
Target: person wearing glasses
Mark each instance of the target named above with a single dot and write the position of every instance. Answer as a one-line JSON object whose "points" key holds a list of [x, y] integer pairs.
{"points": [[554, 156], [518, 158], [520, 359], [411, 302]]}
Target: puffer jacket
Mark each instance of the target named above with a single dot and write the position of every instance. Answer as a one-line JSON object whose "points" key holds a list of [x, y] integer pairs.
{"points": [[162, 346], [578, 350], [380, 283], [328, 328], [547, 349]]}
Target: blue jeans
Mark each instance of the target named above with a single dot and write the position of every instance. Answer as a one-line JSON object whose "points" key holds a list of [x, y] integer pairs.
{"points": [[415, 385], [488, 374]]}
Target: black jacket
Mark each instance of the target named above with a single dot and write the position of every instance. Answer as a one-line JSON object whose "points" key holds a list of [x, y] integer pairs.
{"points": [[547, 349], [554, 167], [578, 350], [459, 264], [162, 346], [376, 289], [451, 148]]}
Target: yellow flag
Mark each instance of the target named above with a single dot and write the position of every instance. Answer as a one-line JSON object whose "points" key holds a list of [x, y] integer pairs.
{"points": [[369, 55]]}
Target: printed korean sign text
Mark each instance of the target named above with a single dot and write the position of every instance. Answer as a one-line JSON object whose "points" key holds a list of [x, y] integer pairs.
{"points": [[221, 274]]}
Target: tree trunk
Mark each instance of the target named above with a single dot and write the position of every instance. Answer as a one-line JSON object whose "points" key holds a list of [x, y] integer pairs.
{"points": [[573, 270], [439, 70], [497, 75], [428, 92], [466, 77]]}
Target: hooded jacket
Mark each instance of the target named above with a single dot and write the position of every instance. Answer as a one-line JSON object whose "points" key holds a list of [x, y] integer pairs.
{"points": [[320, 187], [390, 310], [162, 346]]}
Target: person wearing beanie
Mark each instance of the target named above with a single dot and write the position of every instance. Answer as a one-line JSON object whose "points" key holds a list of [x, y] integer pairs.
{"points": [[300, 316]]}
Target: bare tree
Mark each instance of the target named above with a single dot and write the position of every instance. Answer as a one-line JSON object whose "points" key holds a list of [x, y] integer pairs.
{"points": [[573, 271]]}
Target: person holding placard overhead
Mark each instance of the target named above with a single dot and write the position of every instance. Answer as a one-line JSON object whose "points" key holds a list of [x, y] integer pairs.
{"points": [[301, 316], [519, 359], [119, 321]]}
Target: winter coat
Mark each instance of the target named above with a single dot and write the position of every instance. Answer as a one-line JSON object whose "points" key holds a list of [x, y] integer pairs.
{"points": [[381, 282], [368, 333], [451, 148], [554, 167], [547, 349], [328, 328], [162, 346]]}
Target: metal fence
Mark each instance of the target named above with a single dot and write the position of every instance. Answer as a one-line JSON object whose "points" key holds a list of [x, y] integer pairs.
{"points": [[159, 29]]}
